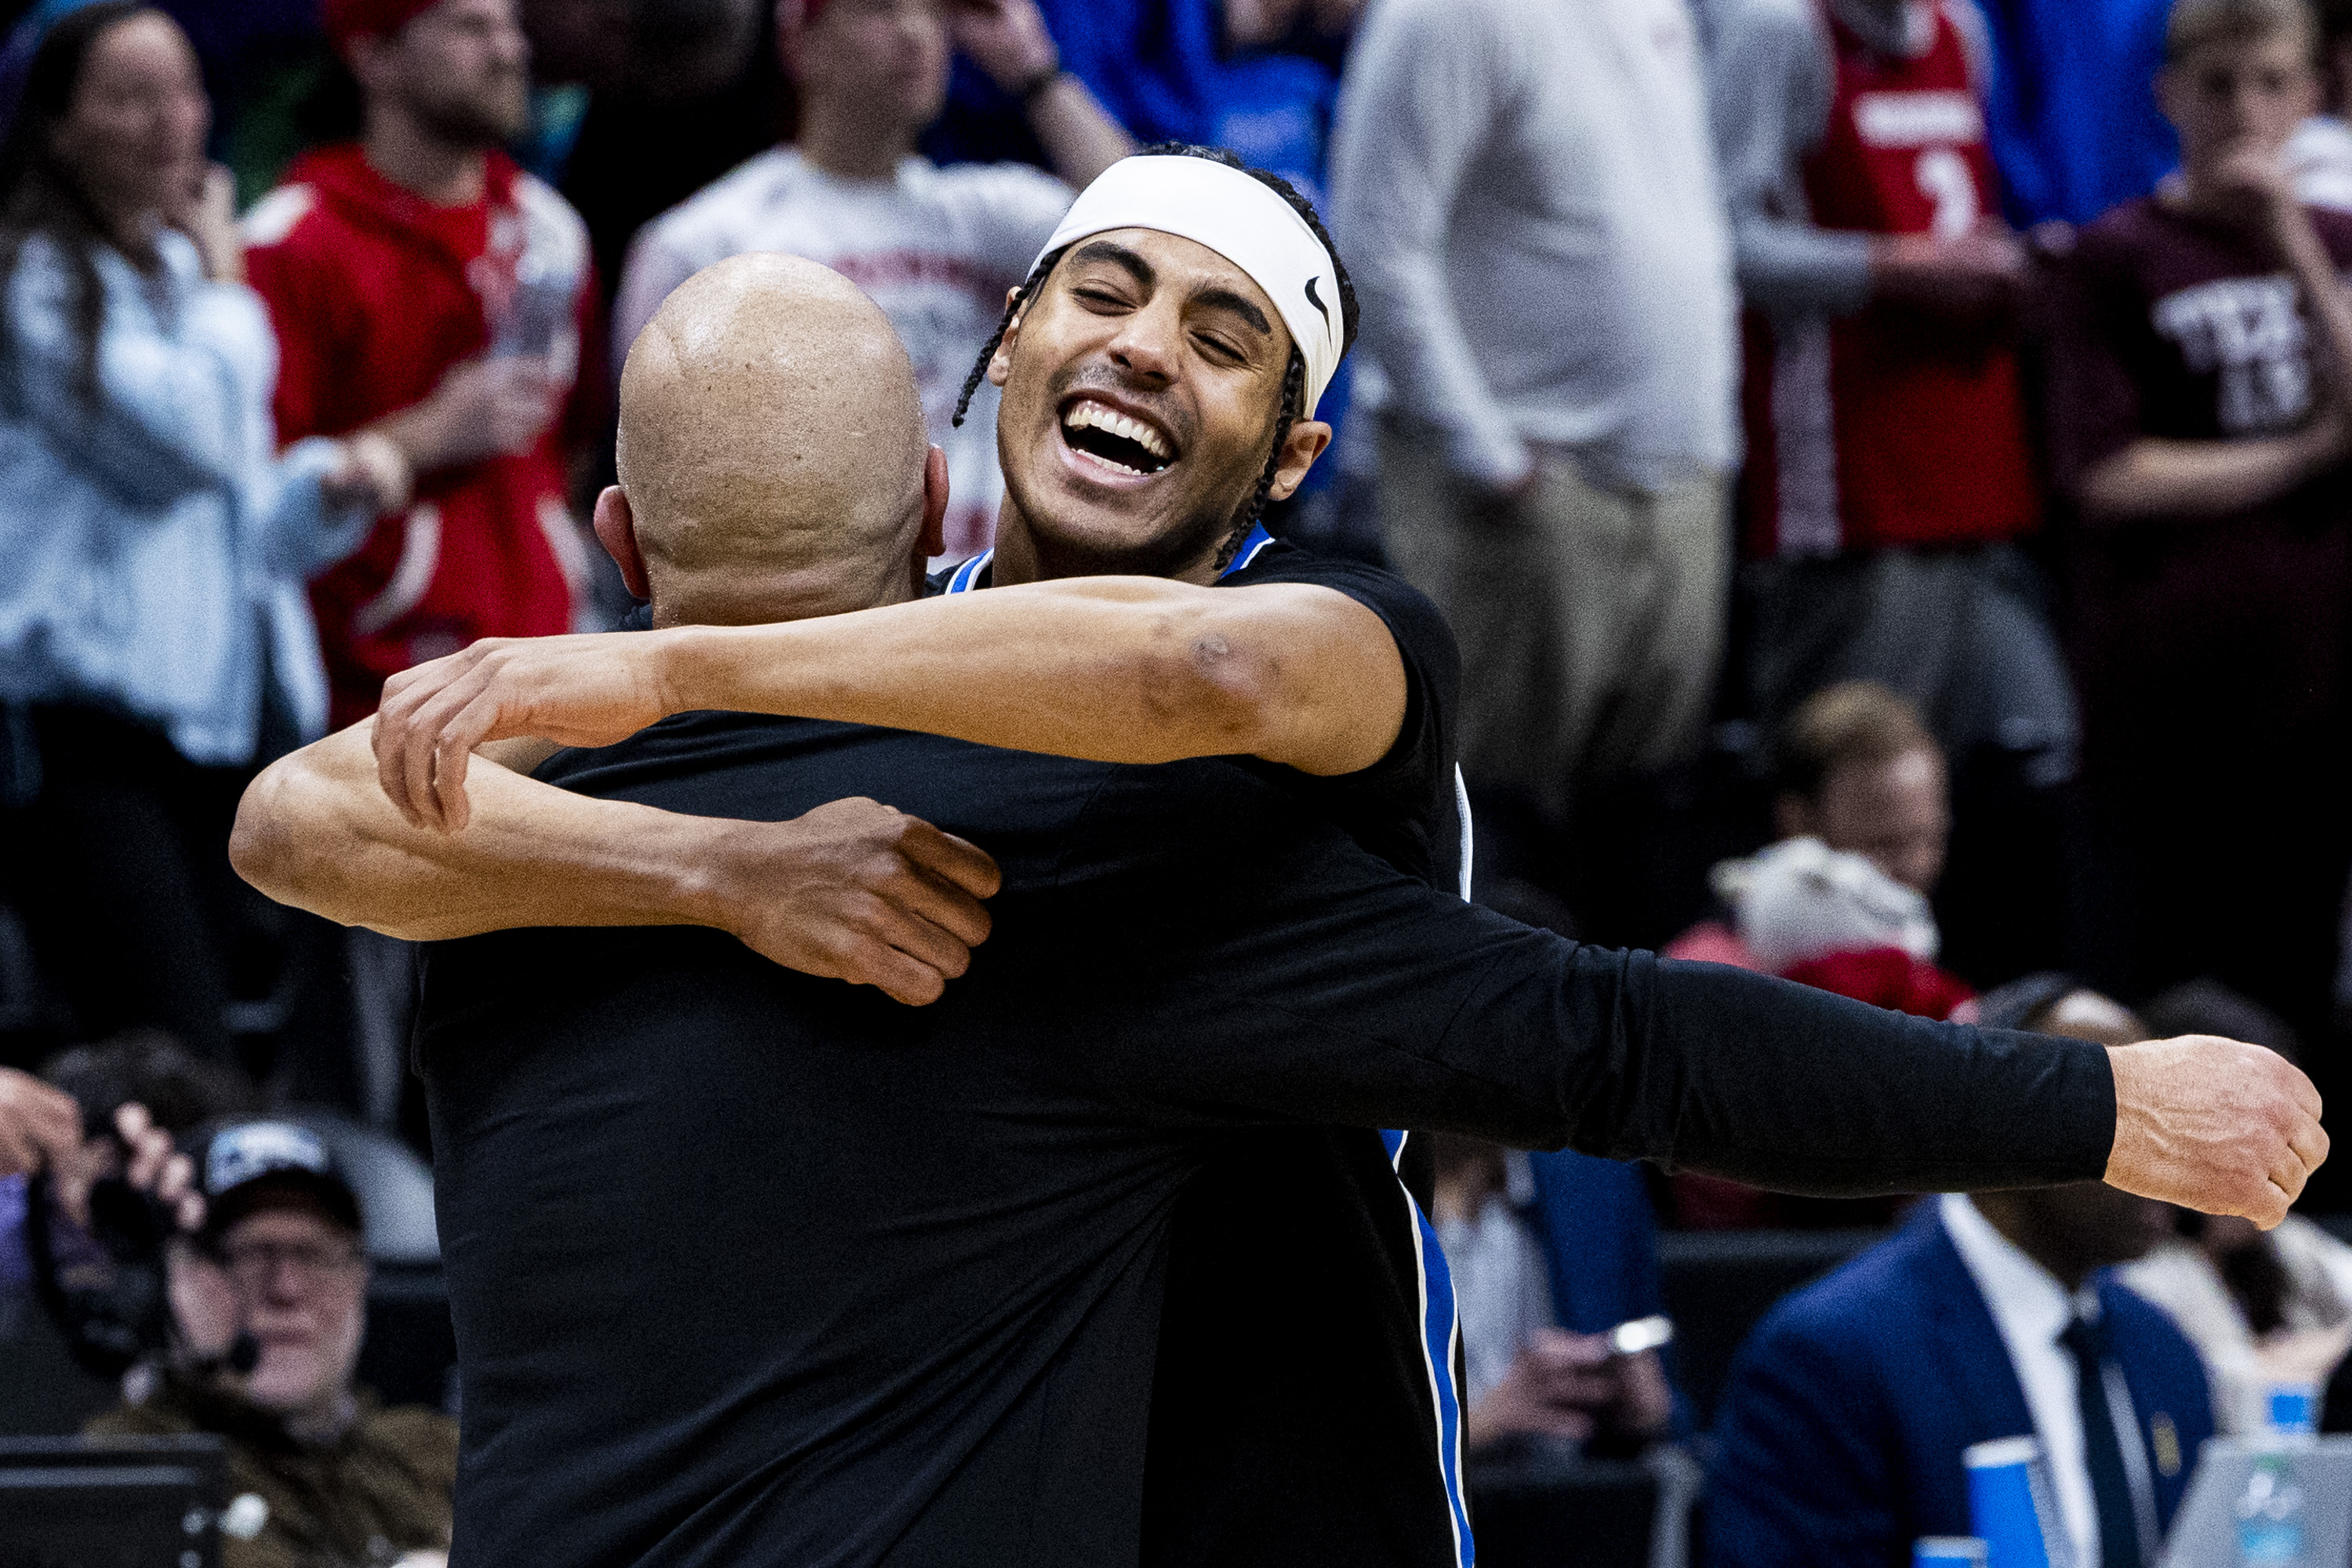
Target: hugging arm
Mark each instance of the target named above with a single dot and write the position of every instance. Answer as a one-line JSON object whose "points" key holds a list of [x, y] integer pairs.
{"points": [[853, 890], [1391, 1004], [1119, 670]]}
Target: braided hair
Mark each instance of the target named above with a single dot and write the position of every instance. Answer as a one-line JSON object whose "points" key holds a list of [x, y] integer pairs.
{"points": [[1294, 380]]}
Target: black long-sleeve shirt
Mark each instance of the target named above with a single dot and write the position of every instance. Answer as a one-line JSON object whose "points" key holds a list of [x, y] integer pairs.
{"points": [[752, 1267]]}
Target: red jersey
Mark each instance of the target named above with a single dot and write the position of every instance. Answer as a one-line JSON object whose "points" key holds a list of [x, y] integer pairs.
{"points": [[1879, 428], [375, 293]]}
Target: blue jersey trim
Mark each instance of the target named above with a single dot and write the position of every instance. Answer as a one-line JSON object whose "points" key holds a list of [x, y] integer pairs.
{"points": [[966, 577], [1441, 1332], [1258, 540], [960, 580]]}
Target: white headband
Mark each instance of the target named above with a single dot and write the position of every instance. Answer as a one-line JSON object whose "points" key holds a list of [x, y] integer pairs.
{"points": [[1242, 219]]}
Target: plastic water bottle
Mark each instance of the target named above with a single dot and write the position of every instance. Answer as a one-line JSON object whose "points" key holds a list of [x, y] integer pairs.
{"points": [[2270, 1516], [2270, 1511], [2290, 1409]]}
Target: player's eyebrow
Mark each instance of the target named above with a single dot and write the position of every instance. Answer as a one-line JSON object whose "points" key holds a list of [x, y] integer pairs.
{"points": [[1120, 257], [1215, 297], [1218, 298]]}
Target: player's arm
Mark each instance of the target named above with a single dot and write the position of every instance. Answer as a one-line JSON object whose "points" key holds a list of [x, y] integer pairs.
{"points": [[853, 890], [1372, 1001], [1119, 670]]}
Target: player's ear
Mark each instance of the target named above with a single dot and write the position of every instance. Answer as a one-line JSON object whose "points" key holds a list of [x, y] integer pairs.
{"points": [[1000, 363], [934, 538], [616, 530], [1306, 442]]}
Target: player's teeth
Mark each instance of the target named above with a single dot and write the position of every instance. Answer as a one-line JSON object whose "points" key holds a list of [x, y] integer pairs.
{"points": [[1093, 414]]}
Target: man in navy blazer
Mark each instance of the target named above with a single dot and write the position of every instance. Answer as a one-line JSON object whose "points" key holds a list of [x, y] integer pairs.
{"points": [[1849, 1408]]}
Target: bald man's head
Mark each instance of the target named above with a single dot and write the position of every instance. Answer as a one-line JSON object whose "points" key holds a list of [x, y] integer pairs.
{"points": [[772, 447]]}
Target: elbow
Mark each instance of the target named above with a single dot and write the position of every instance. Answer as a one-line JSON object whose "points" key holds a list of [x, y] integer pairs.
{"points": [[262, 846], [2106, 497], [271, 846], [1213, 691]]}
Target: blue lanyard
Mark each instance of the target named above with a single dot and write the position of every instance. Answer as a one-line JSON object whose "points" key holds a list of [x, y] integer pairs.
{"points": [[966, 577]]}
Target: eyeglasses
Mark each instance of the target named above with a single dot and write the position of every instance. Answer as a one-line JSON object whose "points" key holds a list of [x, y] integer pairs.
{"points": [[254, 1263]]}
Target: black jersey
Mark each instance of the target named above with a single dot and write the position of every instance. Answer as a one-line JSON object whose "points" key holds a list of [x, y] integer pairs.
{"points": [[748, 1268], [1304, 1268]]}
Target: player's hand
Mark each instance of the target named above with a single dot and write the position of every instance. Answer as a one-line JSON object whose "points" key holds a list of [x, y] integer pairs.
{"points": [[583, 690], [2214, 1125], [1006, 38], [856, 891]]}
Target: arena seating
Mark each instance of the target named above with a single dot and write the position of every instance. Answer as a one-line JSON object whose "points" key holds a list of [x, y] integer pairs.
{"points": [[1718, 1284]]}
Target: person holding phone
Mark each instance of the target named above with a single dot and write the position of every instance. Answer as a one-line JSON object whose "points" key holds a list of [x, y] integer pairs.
{"points": [[1530, 1370]]}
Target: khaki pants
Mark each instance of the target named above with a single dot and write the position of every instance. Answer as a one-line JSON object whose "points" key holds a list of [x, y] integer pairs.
{"points": [[1591, 620]]}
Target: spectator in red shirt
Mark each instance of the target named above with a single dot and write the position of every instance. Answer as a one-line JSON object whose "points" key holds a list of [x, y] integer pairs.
{"points": [[2202, 375], [1888, 466], [1857, 770], [425, 288]]}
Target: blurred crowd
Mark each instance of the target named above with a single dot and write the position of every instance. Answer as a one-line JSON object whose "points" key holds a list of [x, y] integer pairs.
{"points": [[1884, 462]]}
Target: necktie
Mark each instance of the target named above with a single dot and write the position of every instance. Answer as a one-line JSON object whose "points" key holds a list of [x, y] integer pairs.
{"points": [[2103, 1453]]}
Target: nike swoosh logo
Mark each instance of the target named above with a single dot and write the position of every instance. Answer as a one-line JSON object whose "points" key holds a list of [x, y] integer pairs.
{"points": [[1318, 303]]}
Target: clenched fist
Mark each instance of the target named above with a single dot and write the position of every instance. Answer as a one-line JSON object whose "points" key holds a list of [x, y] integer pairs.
{"points": [[2214, 1125]]}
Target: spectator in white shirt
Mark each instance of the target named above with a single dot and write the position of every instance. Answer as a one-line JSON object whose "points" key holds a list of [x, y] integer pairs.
{"points": [[1527, 195], [937, 248]]}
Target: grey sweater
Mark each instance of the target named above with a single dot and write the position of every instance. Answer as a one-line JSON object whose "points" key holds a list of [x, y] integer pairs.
{"points": [[1525, 193]]}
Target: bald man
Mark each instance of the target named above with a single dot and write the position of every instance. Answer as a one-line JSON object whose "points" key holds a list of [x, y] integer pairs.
{"points": [[750, 1267], [771, 467]]}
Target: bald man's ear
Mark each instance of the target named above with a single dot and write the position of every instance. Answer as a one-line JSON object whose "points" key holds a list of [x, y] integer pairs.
{"points": [[616, 530], [934, 540]]}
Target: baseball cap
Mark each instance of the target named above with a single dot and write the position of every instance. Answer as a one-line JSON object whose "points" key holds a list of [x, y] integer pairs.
{"points": [[244, 1166]]}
